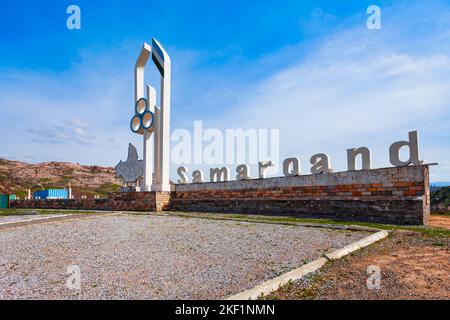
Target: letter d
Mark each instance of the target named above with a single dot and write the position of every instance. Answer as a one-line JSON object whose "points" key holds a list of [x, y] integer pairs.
{"points": [[412, 144]]}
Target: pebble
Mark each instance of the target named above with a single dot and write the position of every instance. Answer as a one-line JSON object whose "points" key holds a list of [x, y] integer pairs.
{"points": [[154, 257]]}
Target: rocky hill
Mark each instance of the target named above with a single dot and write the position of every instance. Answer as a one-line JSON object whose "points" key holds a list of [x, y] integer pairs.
{"points": [[16, 177]]}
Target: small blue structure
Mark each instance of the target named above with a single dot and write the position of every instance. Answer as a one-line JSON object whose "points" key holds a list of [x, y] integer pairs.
{"points": [[51, 194]]}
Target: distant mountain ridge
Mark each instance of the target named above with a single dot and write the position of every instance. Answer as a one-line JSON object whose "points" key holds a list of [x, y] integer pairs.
{"points": [[17, 176], [440, 184]]}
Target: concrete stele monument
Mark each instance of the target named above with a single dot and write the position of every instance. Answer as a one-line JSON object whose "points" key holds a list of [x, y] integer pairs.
{"points": [[149, 118]]}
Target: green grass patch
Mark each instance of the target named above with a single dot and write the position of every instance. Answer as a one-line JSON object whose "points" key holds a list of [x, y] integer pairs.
{"points": [[65, 179], [426, 231], [106, 188], [290, 291]]}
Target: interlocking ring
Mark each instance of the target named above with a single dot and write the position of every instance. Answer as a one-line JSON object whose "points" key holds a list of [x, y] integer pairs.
{"points": [[143, 119]]}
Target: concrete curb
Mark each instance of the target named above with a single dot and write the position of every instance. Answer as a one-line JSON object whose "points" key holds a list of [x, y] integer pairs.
{"points": [[31, 220], [339, 253], [272, 285]]}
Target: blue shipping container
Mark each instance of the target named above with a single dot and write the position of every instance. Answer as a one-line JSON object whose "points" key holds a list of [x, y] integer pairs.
{"points": [[4, 201], [51, 194]]}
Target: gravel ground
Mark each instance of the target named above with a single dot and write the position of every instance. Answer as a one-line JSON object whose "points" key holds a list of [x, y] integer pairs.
{"points": [[19, 218], [154, 257]]}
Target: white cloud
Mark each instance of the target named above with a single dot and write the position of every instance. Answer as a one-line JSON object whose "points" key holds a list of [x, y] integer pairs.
{"points": [[359, 87], [73, 130]]}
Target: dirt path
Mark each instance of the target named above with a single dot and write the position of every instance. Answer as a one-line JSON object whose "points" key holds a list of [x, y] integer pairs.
{"points": [[440, 221], [412, 267]]}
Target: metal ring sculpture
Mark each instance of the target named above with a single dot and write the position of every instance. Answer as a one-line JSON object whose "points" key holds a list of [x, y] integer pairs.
{"points": [[143, 119]]}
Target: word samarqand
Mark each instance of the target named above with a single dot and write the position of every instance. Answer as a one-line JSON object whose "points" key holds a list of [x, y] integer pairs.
{"points": [[320, 163]]}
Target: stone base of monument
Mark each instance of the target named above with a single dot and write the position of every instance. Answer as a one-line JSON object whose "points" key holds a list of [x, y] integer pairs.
{"points": [[139, 201], [389, 195], [118, 201]]}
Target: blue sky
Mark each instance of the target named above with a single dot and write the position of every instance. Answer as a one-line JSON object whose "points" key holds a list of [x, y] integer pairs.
{"points": [[327, 82]]}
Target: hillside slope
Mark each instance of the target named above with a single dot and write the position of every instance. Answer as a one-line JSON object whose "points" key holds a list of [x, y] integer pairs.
{"points": [[16, 177], [440, 199]]}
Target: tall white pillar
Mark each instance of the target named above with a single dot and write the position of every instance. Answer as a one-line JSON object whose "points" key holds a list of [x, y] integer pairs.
{"points": [[149, 144], [160, 143], [164, 153], [163, 64]]}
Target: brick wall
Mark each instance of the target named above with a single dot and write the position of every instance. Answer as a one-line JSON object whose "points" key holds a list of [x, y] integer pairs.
{"points": [[391, 195], [120, 201]]}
